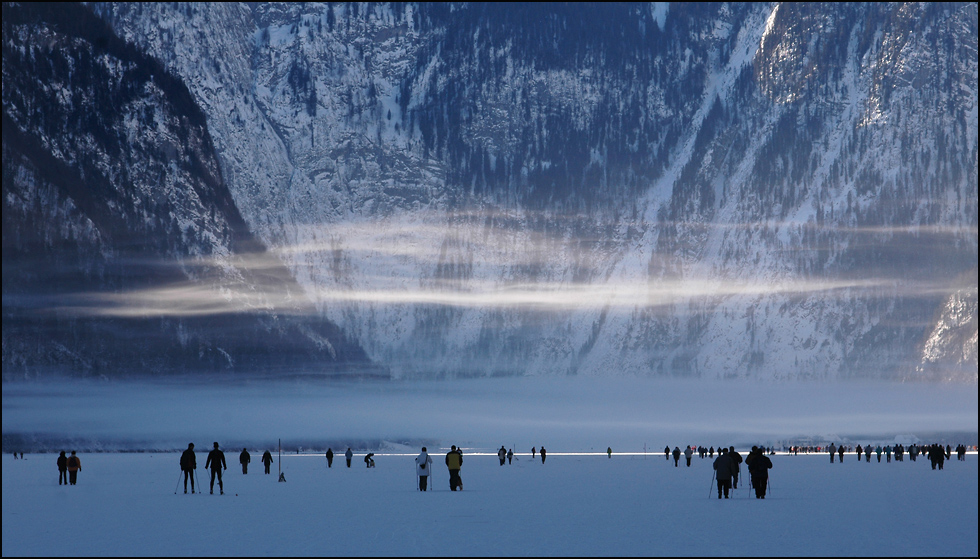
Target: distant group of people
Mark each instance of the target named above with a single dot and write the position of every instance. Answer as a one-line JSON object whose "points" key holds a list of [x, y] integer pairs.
{"points": [[727, 466], [936, 453]]}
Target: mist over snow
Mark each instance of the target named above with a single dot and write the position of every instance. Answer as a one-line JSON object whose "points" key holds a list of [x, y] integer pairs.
{"points": [[564, 414]]}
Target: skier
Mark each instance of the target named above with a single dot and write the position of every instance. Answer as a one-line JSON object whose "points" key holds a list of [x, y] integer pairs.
{"points": [[188, 463], [544, 454], [216, 460], [502, 454], [759, 465], [62, 468], [348, 455], [329, 457], [736, 459], [723, 472], [244, 458], [677, 455], [423, 465], [454, 461], [267, 460], [688, 453], [75, 466]]}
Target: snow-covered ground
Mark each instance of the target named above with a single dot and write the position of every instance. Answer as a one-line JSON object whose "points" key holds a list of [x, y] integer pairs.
{"points": [[579, 503], [125, 504]]}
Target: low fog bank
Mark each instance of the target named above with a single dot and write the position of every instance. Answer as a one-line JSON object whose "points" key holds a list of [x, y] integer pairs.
{"points": [[563, 414]]}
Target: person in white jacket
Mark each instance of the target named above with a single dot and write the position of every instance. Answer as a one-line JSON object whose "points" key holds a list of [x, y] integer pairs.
{"points": [[423, 466]]}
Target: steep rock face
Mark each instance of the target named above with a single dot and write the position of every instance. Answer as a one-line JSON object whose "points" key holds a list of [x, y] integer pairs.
{"points": [[732, 190], [123, 250]]}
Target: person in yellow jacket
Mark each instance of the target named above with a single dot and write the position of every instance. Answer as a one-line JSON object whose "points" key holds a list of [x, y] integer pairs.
{"points": [[454, 461], [74, 466]]}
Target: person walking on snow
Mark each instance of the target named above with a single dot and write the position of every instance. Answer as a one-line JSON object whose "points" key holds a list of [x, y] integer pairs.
{"points": [[244, 458], [74, 466], [267, 460], [759, 465], [188, 463], [454, 461], [736, 459], [216, 461], [833, 451], [502, 454], [329, 457], [688, 453], [423, 467], [62, 468], [723, 472], [510, 456], [348, 455], [544, 454], [677, 455]]}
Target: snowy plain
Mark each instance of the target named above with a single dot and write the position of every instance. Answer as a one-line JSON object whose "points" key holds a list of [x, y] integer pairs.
{"points": [[579, 503], [573, 505]]}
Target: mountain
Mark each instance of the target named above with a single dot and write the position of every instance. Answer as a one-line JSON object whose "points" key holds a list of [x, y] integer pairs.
{"points": [[778, 191], [123, 250]]}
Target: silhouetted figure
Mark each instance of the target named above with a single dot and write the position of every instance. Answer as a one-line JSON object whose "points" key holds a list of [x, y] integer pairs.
{"points": [[267, 460], [369, 460], [188, 463], [62, 468], [244, 458], [677, 455], [688, 453], [736, 459], [510, 456], [348, 455], [329, 457], [609, 452], [216, 461], [544, 454], [723, 472], [759, 465], [667, 453], [502, 455]]}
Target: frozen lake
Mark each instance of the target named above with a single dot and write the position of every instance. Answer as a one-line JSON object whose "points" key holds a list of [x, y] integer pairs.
{"points": [[124, 504]]}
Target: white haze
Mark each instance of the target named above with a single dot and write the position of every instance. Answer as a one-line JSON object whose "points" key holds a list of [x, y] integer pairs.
{"points": [[565, 414]]}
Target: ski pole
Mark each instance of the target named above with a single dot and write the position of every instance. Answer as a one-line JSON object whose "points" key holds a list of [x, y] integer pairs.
{"points": [[199, 488], [712, 486], [178, 482]]}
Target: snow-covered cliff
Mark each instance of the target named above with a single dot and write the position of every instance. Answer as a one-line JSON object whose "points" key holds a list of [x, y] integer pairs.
{"points": [[725, 190]]}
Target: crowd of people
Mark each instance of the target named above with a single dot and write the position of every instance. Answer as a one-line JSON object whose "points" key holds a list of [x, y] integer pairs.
{"points": [[726, 467]]}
